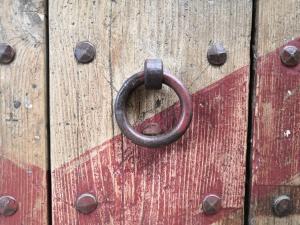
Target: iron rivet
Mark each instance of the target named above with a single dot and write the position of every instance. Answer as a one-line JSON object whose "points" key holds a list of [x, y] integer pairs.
{"points": [[282, 206], [152, 129], [8, 205], [216, 54], [85, 52], [7, 53], [290, 55], [86, 203], [211, 204]]}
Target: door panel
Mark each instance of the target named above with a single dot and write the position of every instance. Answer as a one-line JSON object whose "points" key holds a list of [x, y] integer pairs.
{"points": [[167, 185], [276, 140], [23, 151], [81, 114], [135, 185]]}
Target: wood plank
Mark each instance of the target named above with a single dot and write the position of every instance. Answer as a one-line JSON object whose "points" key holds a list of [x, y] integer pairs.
{"points": [[23, 149], [81, 113], [276, 153], [135, 185], [167, 185]]}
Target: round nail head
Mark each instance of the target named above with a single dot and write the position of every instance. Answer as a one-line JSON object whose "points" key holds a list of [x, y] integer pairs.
{"points": [[85, 52], [282, 206], [216, 54], [290, 56], [7, 53], [8, 206], [211, 204], [86, 203]]}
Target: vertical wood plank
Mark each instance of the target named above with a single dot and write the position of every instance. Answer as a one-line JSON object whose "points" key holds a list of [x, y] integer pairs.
{"points": [[81, 114], [167, 185], [135, 185], [23, 149], [276, 152]]}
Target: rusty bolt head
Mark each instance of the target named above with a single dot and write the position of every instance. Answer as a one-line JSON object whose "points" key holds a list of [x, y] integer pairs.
{"points": [[282, 206], [86, 203], [216, 54], [211, 204], [7, 53], [290, 55], [152, 129], [8, 205], [85, 52]]}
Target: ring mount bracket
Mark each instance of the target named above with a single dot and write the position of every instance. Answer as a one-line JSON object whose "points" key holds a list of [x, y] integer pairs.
{"points": [[159, 140], [153, 72]]}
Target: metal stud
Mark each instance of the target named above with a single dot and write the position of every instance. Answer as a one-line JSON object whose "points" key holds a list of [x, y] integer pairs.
{"points": [[290, 56], [282, 206], [8, 205], [211, 204], [85, 52], [86, 203], [216, 54], [7, 53]]}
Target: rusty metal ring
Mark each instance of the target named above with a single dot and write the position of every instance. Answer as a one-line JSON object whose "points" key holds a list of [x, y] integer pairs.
{"points": [[159, 140]]}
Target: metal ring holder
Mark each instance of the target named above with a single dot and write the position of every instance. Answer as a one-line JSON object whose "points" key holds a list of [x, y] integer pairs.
{"points": [[153, 77]]}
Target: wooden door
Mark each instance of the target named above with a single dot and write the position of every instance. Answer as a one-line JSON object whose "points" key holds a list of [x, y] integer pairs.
{"points": [[136, 185], [63, 157]]}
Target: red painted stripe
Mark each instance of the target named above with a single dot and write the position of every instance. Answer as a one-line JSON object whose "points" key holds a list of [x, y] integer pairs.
{"points": [[276, 138], [145, 187], [26, 185]]}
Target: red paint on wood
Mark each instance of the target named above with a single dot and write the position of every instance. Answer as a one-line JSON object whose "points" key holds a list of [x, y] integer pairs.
{"points": [[99, 172], [26, 185], [276, 140], [165, 185], [276, 134]]}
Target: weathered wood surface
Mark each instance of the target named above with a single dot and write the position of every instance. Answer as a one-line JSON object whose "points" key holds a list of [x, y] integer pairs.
{"points": [[136, 185], [23, 151], [276, 140]]}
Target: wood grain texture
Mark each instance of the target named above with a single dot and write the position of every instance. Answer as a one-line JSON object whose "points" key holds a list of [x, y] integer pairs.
{"points": [[276, 24], [133, 185], [166, 185], [23, 151], [276, 154], [276, 137], [178, 32], [80, 96], [81, 114], [265, 196]]}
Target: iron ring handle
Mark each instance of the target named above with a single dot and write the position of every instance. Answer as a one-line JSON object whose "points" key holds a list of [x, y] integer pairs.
{"points": [[162, 139]]}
